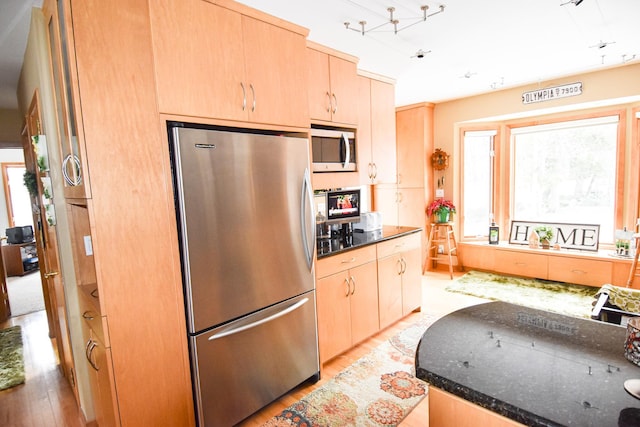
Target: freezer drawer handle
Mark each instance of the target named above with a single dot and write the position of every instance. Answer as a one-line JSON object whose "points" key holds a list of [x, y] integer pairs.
{"points": [[261, 321]]}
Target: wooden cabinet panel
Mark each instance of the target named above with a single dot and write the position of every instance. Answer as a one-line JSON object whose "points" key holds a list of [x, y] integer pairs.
{"points": [[412, 281], [521, 264], [376, 161], [199, 71], [364, 302], [347, 304], [385, 201], [398, 245], [414, 135], [477, 257], [344, 90], [213, 62], [365, 167], [344, 261], [448, 410], [389, 289], [333, 88], [334, 315], [584, 271], [276, 74], [383, 131]]}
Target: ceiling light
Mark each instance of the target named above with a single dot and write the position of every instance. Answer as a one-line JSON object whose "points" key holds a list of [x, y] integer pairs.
{"points": [[574, 2], [395, 22]]}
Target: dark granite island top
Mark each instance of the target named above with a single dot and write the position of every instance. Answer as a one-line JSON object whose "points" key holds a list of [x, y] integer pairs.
{"points": [[535, 367]]}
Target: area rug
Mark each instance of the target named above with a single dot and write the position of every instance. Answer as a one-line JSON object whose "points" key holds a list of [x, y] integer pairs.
{"points": [[25, 294], [564, 298], [11, 357], [379, 389]]}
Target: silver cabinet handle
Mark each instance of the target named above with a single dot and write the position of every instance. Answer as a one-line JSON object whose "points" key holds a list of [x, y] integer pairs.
{"points": [[353, 280], [244, 97], [335, 107], [87, 315], [375, 171], [328, 102], [91, 345], [259, 322], [253, 93], [348, 283], [50, 274], [349, 261]]}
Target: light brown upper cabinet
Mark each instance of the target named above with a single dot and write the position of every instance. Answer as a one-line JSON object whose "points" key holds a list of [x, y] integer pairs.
{"points": [[214, 62], [333, 86], [376, 131]]}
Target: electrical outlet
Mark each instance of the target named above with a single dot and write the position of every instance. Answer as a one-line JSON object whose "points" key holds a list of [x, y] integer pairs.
{"points": [[440, 249]]}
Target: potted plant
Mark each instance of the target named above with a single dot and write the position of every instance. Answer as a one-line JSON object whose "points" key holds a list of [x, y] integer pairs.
{"points": [[441, 209], [545, 232]]}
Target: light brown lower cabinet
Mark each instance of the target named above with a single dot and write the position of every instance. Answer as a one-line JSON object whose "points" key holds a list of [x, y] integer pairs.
{"points": [[362, 291], [399, 277], [448, 410], [347, 301], [99, 359]]}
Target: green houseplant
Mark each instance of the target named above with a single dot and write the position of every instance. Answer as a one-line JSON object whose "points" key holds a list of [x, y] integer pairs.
{"points": [[441, 209], [545, 232]]}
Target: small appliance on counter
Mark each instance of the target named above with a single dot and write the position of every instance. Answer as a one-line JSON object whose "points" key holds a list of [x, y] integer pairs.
{"points": [[369, 221]]}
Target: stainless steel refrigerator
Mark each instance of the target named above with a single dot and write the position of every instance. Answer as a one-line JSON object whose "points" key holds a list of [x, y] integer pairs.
{"points": [[247, 241]]}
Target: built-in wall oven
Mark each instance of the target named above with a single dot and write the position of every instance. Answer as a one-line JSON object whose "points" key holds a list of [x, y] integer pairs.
{"points": [[334, 150]]}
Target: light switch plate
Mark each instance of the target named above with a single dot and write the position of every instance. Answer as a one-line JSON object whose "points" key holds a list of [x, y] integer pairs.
{"points": [[440, 192]]}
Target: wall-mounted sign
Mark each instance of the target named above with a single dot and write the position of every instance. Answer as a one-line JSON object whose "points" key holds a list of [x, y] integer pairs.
{"points": [[568, 236], [551, 93]]}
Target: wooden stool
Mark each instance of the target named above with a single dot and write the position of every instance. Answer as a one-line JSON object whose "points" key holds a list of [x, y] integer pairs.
{"points": [[633, 272], [442, 233]]}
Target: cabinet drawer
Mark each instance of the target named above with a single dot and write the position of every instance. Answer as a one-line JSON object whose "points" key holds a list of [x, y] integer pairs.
{"points": [[344, 261], [521, 264], [400, 244], [581, 271], [90, 312]]}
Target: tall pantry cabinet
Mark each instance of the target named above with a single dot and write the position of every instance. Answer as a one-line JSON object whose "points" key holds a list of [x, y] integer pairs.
{"points": [[120, 209]]}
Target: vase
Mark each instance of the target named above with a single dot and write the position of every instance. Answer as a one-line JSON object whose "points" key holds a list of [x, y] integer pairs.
{"points": [[442, 216]]}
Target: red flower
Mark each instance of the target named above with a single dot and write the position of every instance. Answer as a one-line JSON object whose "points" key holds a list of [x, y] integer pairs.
{"points": [[439, 205]]}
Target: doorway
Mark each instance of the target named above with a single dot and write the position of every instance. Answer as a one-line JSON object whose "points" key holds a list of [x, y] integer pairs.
{"points": [[24, 285]]}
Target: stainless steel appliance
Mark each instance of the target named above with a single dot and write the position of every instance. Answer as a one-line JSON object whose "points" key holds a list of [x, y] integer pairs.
{"points": [[333, 150], [247, 241]]}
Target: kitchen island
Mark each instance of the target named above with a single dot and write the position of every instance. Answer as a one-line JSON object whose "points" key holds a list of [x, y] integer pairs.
{"points": [[530, 366]]}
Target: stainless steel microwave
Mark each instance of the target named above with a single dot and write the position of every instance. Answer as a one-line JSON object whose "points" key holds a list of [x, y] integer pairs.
{"points": [[333, 150]]}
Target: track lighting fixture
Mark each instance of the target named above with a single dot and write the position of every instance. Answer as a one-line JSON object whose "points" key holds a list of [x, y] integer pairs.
{"points": [[396, 22]]}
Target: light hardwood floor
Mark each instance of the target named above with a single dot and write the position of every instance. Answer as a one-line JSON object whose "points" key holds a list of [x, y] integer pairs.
{"points": [[47, 400]]}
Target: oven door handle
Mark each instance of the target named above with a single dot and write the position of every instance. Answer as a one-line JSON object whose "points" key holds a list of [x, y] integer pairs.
{"points": [[267, 319]]}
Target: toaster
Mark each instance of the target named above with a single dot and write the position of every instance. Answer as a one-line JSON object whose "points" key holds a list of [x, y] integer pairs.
{"points": [[369, 221]]}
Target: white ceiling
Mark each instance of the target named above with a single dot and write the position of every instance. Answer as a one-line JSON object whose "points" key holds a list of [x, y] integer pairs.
{"points": [[496, 43]]}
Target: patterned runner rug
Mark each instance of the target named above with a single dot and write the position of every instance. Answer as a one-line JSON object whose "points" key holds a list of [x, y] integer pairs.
{"points": [[379, 389], [11, 357], [563, 298]]}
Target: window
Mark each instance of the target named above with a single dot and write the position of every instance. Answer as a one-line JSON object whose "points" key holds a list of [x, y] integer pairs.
{"points": [[478, 182], [566, 172]]}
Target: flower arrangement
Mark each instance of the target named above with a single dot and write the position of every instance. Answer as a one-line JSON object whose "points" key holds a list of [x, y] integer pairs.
{"points": [[440, 206]]}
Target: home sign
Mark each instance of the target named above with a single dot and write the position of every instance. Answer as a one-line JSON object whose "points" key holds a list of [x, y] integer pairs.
{"points": [[568, 236]]}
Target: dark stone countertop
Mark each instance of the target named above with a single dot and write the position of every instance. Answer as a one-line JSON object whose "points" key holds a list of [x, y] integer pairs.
{"points": [[532, 366], [357, 239]]}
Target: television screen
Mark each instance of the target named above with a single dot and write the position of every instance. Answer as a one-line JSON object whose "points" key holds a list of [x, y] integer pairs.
{"points": [[17, 235], [343, 206]]}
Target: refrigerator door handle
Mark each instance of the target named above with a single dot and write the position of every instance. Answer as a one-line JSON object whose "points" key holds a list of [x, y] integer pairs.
{"points": [[241, 328], [307, 223]]}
